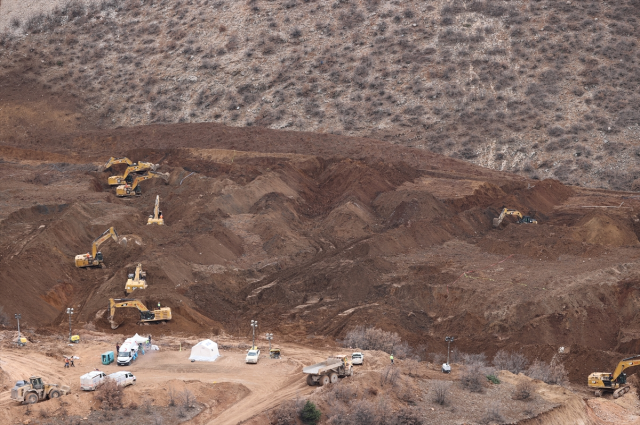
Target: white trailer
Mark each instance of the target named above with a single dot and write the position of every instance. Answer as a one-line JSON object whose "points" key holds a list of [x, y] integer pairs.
{"points": [[328, 371], [90, 381]]}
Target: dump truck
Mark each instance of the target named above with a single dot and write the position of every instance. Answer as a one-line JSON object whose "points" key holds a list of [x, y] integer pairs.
{"points": [[34, 390], [328, 371]]}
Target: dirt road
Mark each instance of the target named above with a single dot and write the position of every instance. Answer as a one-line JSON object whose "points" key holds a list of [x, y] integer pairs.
{"points": [[257, 387]]}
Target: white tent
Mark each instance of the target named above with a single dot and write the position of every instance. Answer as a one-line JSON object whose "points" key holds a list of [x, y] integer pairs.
{"points": [[139, 339], [205, 351]]}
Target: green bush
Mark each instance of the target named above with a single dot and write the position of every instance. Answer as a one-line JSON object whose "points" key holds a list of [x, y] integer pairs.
{"points": [[493, 379], [310, 413]]}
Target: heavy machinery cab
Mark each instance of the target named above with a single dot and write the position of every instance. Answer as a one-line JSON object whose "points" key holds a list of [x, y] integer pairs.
{"points": [[36, 383], [147, 315], [527, 219]]}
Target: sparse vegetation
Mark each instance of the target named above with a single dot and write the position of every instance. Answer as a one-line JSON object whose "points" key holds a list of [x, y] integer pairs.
{"points": [[523, 391], [109, 394], [440, 392], [310, 413], [551, 373], [509, 98]]}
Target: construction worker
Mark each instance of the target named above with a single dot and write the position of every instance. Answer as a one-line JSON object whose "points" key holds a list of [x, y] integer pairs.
{"points": [[158, 305], [117, 349], [66, 362], [391, 357], [71, 362]]}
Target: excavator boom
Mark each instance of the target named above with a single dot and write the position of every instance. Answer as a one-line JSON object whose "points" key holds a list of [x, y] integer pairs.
{"points": [[156, 218], [109, 233], [114, 161], [625, 364], [95, 258], [146, 315], [133, 168], [130, 190]]}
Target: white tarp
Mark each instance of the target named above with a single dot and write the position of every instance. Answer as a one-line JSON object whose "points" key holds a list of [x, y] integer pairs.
{"points": [[205, 351]]}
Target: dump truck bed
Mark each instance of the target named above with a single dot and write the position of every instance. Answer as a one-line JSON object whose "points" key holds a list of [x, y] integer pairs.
{"points": [[318, 368]]}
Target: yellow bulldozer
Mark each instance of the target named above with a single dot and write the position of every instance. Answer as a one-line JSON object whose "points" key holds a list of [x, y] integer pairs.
{"points": [[133, 189], [613, 382], [146, 315], [522, 219], [34, 390], [157, 217], [95, 257], [137, 280]]}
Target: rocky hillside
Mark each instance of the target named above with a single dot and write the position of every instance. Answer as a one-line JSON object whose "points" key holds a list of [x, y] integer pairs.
{"points": [[542, 88]]}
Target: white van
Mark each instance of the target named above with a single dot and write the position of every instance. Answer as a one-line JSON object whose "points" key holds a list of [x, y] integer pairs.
{"points": [[357, 358], [89, 381], [127, 354], [123, 378]]}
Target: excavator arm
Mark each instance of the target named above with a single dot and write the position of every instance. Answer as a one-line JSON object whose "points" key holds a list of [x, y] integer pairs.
{"points": [[625, 364], [156, 209], [140, 166], [114, 161], [109, 233], [505, 212], [149, 175], [146, 315]]}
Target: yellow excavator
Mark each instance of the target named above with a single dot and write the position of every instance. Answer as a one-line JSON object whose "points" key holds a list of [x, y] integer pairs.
{"points": [[521, 219], [95, 257], [115, 161], [157, 217], [137, 280], [133, 189], [146, 315], [613, 382], [129, 173]]}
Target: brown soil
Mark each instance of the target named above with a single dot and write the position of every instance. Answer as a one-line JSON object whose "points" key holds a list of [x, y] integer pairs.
{"points": [[313, 235]]}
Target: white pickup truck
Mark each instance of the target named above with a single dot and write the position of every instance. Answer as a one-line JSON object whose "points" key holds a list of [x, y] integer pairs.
{"points": [[328, 371]]}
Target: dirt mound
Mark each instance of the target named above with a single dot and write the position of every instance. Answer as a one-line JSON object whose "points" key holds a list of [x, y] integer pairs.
{"points": [[601, 229]]}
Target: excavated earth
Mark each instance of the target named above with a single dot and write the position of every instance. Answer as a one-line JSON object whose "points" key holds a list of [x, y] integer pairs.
{"points": [[311, 235]]}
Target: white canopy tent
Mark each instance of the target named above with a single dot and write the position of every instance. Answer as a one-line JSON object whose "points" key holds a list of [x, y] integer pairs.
{"points": [[205, 351]]}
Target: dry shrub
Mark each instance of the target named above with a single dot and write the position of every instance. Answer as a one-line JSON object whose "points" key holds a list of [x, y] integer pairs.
{"points": [[288, 412], [411, 366], [513, 362], [187, 399], [363, 412], [370, 338], [171, 393], [389, 375], [524, 391], [472, 378], [552, 373], [341, 392], [109, 394], [493, 414], [440, 392]]}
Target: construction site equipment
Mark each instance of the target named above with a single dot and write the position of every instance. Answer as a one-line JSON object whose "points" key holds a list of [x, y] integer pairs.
{"points": [[22, 341], [274, 353], [146, 315], [328, 371], [114, 161], [34, 390], [521, 219], [95, 258], [130, 172], [137, 280], [107, 358], [123, 378], [157, 217], [613, 382], [75, 339], [134, 188]]}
